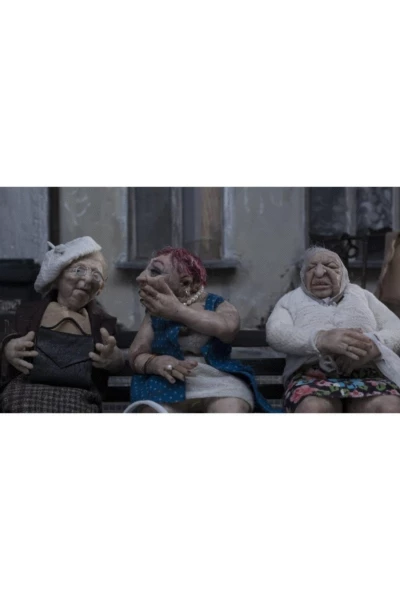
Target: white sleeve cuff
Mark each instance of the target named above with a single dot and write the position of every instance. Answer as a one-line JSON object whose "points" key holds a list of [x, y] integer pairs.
{"points": [[312, 341]]}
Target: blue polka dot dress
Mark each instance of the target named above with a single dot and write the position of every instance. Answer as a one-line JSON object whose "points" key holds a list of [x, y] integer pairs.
{"points": [[216, 353]]}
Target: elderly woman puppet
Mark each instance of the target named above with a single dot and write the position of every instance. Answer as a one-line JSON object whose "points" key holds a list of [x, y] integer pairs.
{"points": [[341, 342], [63, 348], [181, 354]]}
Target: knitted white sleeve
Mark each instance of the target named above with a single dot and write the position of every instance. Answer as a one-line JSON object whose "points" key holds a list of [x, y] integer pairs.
{"points": [[388, 331], [283, 336]]}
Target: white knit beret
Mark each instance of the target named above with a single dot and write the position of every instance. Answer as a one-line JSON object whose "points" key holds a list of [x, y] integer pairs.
{"points": [[60, 257]]}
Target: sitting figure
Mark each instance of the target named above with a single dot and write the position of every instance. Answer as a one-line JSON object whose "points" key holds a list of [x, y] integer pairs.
{"points": [[181, 354], [63, 347], [340, 341]]}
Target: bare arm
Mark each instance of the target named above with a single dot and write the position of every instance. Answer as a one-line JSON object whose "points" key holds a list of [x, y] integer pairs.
{"points": [[141, 345], [223, 324], [143, 361], [160, 301]]}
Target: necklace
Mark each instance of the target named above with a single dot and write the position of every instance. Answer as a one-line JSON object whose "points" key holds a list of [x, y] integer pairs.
{"points": [[194, 298]]}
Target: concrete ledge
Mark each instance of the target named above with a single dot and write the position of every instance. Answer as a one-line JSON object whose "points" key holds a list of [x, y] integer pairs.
{"points": [[223, 264]]}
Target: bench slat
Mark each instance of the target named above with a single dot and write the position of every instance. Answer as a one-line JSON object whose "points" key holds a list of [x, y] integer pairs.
{"points": [[245, 338], [260, 366], [118, 381]]}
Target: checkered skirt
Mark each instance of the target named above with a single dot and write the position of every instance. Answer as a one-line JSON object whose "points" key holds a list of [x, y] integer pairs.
{"points": [[20, 396]]}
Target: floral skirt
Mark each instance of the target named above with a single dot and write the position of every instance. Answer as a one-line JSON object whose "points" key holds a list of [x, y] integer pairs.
{"points": [[365, 383]]}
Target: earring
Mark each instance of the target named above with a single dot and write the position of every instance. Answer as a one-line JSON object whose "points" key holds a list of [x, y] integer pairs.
{"points": [[187, 292]]}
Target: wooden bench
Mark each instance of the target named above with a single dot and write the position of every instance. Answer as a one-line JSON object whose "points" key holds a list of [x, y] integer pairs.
{"points": [[249, 347]]}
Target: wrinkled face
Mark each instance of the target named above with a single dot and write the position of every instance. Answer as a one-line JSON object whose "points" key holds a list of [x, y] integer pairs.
{"points": [[162, 266], [80, 283], [323, 275]]}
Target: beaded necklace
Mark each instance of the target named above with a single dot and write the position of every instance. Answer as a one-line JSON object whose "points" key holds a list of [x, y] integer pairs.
{"points": [[194, 298]]}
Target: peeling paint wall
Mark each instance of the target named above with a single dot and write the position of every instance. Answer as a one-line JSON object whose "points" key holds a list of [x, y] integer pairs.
{"points": [[102, 214], [264, 228], [266, 234], [23, 222]]}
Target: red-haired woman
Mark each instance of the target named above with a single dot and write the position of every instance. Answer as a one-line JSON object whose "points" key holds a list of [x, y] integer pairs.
{"points": [[181, 354]]}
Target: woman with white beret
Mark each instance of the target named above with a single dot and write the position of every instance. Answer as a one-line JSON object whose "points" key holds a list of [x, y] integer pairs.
{"points": [[63, 348]]}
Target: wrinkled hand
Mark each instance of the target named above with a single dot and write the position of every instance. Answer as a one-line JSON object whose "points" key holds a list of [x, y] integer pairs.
{"points": [[17, 349], [346, 365], [159, 299], [345, 342], [107, 353], [180, 368]]}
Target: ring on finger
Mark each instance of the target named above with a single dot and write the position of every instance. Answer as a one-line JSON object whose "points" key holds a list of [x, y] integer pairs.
{"points": [[169, 368]]}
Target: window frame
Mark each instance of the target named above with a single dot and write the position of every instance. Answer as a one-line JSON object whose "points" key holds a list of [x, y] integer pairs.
{"points": [[227, 261], [351, 200]]}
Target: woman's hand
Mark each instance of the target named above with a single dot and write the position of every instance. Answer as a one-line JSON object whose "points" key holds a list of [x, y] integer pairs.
{"points": [[108, 355], [17, 349], [345, 342], [171, 368], [347, 365], [159, 299]]}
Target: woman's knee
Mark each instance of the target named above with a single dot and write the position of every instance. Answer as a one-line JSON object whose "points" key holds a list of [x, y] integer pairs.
{"points": [[228, 405], [383, 404], [313, 404]]}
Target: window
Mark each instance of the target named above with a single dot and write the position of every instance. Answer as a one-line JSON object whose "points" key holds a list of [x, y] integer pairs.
{"points": [[203, 221], [367, 213], [24, 222], [154, 220], [167, 216]]}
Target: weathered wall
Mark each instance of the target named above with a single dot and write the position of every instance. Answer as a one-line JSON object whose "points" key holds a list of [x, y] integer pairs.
{"points": [[101, 213], [23, 222], [267, 235], [264, 230]]}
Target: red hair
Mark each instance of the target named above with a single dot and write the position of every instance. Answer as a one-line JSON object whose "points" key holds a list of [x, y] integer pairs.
{"points": [[186, 263]]}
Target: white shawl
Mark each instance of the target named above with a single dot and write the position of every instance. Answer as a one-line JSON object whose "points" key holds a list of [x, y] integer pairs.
{"points": [[298, 317]]}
